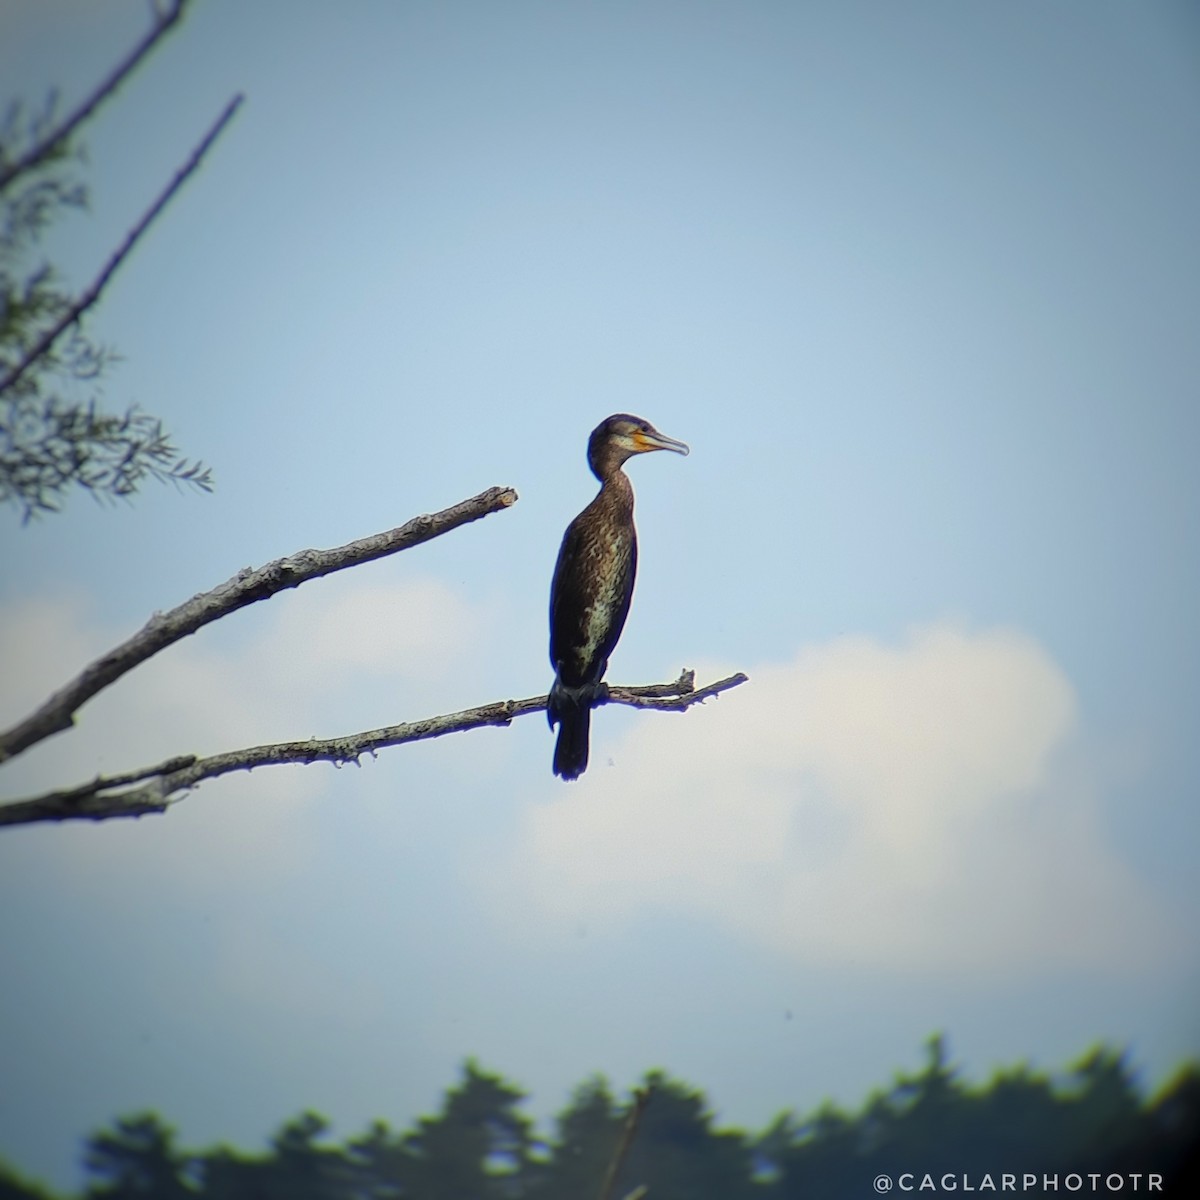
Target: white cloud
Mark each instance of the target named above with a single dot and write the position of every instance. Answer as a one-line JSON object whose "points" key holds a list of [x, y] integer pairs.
{"points": [[904, 806], [420, 630], [42, 644]]}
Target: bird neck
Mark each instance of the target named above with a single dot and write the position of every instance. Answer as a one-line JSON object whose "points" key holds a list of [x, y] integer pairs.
{"points": [[616, 490], [606, 460]]}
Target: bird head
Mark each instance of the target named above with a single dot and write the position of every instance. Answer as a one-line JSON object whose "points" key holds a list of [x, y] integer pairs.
{"points": [[621, 436]]}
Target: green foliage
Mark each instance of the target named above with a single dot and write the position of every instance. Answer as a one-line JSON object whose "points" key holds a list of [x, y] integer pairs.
{"points": [[54, 434], [933, 1123], [14, 1187], [296, 1166], [586, 1132], [679, 1155], [479, 1146], [136, 1160], [476, 1148]]}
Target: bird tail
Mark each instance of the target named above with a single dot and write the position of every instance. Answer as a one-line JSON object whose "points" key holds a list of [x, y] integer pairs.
{"points": [[571, 749]]}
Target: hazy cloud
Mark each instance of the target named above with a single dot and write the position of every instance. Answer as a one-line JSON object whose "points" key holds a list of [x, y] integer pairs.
{"points": [[325, 661]]}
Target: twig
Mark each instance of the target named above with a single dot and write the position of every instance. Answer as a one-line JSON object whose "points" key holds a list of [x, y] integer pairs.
{"points": [[34, 155], [641, 1097], [97, 801], [89, 297], [672, 697], [247, 587]]}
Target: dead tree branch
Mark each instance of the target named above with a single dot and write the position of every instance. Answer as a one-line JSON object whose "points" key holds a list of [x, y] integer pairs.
{"points": [[103, 797], [641, 1097], [92, 294], [42, 149], [247, 587]]}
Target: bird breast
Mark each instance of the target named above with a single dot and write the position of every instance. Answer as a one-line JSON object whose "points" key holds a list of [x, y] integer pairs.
{"points": [[610, 557], [592, 587]]}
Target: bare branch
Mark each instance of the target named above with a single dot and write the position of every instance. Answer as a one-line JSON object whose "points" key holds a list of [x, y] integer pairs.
{"points": [[247, 587], [641, 1097], [89, 297], [46, 146], [98, 800], [682, 693]]}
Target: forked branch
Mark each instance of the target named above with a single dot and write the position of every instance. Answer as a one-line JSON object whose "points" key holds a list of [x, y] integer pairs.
{"points": [[158, 787]]}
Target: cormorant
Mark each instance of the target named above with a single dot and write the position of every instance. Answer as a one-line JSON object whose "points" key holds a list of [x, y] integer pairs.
{"points": [[593, 584]]}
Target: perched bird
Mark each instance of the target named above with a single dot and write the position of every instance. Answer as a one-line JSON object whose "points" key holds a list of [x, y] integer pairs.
{"points": [[593, 584]]}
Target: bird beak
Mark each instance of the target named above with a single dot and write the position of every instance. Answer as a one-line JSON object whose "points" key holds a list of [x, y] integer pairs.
{"points": [[653, 440]]}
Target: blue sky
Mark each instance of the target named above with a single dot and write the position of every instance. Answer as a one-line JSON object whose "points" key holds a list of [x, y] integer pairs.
{"points": [[918, 283]]}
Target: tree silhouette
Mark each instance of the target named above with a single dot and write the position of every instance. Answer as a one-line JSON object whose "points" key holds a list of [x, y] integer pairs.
{"points": [[136, 1160], [586, 1132], [479, 1145], [296, 1166], [679, 1155], [382, 1165], [932, 1123], [14, 1187]]}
